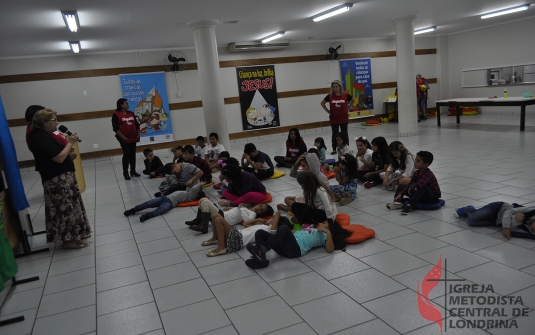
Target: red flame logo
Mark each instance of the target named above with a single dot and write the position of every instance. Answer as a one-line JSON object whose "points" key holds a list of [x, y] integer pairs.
{"points": [[427, 309]]}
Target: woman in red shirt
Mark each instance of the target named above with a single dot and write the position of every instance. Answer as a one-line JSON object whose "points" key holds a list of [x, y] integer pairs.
{"points": [[338, 101], [126, 128]]}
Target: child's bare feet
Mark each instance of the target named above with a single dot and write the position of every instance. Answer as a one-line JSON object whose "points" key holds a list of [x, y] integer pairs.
{"points": [[224, 202]]}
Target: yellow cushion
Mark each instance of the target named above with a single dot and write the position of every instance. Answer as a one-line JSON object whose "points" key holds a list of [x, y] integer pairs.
{"points": [[277, 174], [209, 184]]}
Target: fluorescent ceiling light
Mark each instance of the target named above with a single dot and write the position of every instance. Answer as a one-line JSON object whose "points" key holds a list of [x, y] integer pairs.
{"points": [[505, 11], [425, 30], [273, 36], [71, 20], [75, 46], [332, 12]]}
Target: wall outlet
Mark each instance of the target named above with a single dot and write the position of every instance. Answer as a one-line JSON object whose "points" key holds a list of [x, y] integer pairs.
{"points": [[95, 146]]}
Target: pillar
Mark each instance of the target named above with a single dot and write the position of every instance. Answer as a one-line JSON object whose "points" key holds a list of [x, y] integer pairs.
{"points": [[406, 71], [215, 118]]}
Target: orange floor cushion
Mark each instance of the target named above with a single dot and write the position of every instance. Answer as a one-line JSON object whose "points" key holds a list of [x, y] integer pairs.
{"points": [[267, 199], [218, 186], [343, 219], [359, 233], [189, 203], [330, 174]]}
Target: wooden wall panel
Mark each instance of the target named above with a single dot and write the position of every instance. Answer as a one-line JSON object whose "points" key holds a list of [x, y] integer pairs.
{"points": [[198, 103], [18, 78]]}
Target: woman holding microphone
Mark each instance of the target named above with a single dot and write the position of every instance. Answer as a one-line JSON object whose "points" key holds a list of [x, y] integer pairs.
{"points": [[66, 219]]}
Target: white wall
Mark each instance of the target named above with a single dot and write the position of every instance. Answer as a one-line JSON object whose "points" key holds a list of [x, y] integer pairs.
{"points": [[501, 45], [66, 95]]}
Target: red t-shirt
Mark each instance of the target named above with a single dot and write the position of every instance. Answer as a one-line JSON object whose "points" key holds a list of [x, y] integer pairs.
{"points": [[338, 107]]}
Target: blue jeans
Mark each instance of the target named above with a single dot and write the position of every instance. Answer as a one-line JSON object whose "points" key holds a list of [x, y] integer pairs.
{"points": [[485, 216], [163, 205], [424, 194]]}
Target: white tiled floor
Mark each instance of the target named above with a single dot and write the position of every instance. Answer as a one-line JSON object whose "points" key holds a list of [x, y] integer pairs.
{"points": [[153, 277]]}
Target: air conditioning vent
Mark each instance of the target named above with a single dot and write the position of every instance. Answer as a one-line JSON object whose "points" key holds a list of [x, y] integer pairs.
{"points": [[256, 46]]}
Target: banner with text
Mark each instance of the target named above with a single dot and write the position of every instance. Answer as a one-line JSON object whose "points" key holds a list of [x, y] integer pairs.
{"points": [[258, 97], [147, 96], [357, 81]]}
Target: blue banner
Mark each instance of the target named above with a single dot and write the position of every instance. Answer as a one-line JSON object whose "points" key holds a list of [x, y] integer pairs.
{"points": [[357, 81], [8, 156], [147, 96]]}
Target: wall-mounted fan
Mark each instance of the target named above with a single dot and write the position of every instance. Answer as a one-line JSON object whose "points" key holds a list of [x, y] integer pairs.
{"points": [[175, 61], [334, 50]]}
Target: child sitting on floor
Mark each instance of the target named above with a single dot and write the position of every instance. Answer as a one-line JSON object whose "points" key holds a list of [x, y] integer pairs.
{"points": [[295, 147], [308, 162], [342, 148], [178, 177], [508, 216], [222, 163], [401, 166], [200, 147], [177, 154], [211, 152], [167, 202], [243, 187], [319, 143], [233, 216], [318, 198], [379, 164], [346, 176], [189, 156], [256, 162], [423, 186], [153, 164], [364, 153]]}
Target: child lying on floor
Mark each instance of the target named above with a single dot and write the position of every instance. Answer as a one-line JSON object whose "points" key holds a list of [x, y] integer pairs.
{"points": [[229, 239], [500, 214], [167, 202], [233, 216]]}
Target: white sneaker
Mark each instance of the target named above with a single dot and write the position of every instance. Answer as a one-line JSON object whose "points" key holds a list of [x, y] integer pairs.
{"points": [[394, 205]]}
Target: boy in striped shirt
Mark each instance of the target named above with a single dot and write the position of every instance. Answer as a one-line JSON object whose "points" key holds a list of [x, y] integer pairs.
{"points": [[423, 186]]}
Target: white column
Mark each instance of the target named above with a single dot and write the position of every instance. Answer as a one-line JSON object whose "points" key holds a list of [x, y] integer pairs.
{"points": [[442, 62], [215, 118], [405, 63]]}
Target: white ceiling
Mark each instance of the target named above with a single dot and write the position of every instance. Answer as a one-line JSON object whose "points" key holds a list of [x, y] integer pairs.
{"points": [[36, 28]]}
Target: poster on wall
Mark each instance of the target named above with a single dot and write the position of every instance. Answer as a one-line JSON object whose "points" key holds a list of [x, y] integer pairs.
{"points": [[357, 81], [258, 97], [147, 96]]}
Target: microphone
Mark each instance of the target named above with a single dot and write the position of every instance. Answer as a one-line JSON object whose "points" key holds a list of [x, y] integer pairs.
{"points": [[64, 129]]}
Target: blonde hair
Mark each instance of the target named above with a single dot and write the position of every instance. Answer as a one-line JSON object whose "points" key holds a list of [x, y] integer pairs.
{"points": [[339, 83], [39, 119]]}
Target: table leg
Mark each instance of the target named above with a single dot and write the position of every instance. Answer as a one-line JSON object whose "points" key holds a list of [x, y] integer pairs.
{"points": [[438, 115], [522, 117], [458, 112]]}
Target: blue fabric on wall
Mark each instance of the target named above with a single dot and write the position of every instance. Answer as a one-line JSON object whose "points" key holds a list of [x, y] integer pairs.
{"points": [[8, 155]]}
